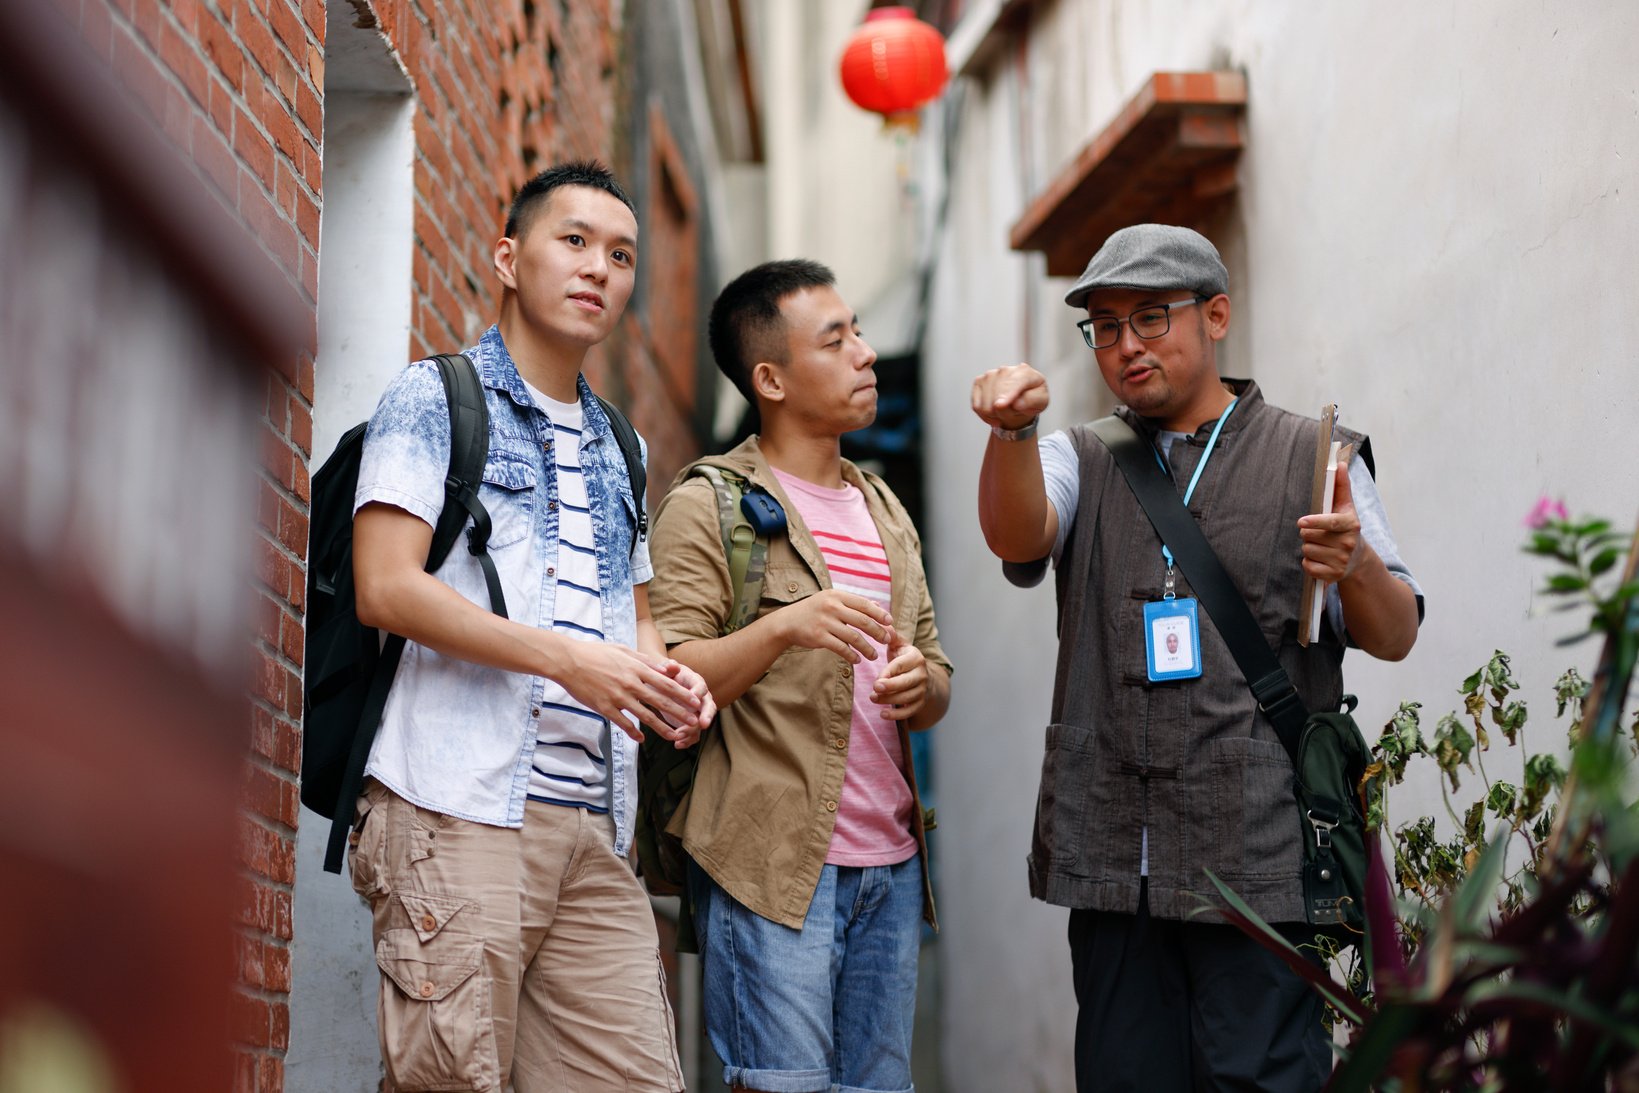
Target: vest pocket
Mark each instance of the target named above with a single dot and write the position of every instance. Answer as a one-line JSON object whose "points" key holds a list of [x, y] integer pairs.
{"points": [[1253, 831], [437, 1031], [1068, 774]]}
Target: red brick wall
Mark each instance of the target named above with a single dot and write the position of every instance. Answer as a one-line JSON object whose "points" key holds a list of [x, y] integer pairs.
{"points": [[503, 89], [237, 87]]}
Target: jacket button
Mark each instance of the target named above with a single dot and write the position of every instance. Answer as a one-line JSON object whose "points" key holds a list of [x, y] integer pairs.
{"points": [[791, 587], [551, 506], [428, 924], [840, 743], [551, 571], [830, 806], [536, 712], [426, 990]]}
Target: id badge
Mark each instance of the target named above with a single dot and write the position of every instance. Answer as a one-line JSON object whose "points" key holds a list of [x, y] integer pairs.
{"points": [[1172, 639]]}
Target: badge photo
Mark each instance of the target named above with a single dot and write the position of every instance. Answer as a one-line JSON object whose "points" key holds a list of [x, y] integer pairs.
{"points": [[1172, 639]]}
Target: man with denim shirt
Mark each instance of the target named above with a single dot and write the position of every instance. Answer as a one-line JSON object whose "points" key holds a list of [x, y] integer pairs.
{"points": [[803, 822], [1152, 778], [516, 947]]}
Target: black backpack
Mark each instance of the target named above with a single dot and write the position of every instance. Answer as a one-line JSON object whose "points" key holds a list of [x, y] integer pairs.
{"points": [[348, 668]]}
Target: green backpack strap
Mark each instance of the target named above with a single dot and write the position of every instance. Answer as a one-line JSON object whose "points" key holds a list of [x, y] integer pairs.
{"points": [[747, 553]]}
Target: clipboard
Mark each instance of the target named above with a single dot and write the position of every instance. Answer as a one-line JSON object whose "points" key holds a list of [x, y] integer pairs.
{"points": [[1329, 454]]}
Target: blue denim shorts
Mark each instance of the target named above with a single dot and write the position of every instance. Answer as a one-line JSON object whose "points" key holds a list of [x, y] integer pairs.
{"points": [[827, 1007]]}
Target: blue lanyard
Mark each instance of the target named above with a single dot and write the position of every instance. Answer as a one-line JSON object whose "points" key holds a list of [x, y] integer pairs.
{"points": [[1212, 442]]}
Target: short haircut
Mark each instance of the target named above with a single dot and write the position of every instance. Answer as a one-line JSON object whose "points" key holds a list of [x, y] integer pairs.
{"points": [[533, 194], [746, 324]]}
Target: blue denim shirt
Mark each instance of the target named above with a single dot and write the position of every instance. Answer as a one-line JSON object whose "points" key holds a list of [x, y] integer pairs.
{"points": [[458, 737]]}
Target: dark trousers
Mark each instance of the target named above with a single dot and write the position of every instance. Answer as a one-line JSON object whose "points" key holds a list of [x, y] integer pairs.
{"points": [[1190, 1006]]}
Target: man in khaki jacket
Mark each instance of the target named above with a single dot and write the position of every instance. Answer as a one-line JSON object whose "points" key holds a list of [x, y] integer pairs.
{"points": [[804, 824]]}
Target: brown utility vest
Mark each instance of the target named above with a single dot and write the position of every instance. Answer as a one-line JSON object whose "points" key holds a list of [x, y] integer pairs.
{"points": [[1194, 760]]}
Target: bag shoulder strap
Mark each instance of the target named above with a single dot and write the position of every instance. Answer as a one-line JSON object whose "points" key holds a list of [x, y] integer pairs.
{"points": [[632, 452], [746, 551], [1270, 685], [469, 448]]}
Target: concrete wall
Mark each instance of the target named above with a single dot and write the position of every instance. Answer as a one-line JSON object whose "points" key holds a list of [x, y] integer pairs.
{"points": [[1435, 228], [366, 236]]}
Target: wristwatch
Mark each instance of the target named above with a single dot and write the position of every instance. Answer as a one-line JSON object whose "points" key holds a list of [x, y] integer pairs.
{"points": [[1023, 432]]}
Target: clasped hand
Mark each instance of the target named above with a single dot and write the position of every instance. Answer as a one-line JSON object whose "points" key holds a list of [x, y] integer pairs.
{"points": [[852, 626], [623, 684]]}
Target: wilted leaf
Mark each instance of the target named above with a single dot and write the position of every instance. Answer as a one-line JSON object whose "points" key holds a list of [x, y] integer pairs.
{"points": [[1501, 798], [1499, 676], [1474, 822], [1542, 774], [1452, 746], [1569, 690], [1510, 719]]}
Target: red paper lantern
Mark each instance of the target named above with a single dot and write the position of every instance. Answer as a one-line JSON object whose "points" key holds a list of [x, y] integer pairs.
{"points": [[893, 63]]}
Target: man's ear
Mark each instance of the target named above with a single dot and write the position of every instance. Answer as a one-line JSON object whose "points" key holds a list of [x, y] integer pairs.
{"points": [[765, 380], [506, 257], [1216, 312]]}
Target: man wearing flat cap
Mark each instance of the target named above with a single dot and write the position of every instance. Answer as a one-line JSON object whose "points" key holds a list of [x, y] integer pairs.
{"points": [[1149, 782]]}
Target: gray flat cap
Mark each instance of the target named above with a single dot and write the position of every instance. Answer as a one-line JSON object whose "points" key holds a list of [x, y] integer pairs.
{"points": [[1153, 256]]}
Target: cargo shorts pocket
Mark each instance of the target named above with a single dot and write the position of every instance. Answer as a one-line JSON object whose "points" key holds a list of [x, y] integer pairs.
{"points": [[367, 849], [437, 1031]]}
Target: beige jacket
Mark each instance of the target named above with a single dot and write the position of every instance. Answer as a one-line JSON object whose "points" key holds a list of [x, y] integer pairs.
{"points": [[764, 801]]}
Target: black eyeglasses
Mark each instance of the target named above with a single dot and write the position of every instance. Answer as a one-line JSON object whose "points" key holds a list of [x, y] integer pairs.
{"points": [[1149, 322]]}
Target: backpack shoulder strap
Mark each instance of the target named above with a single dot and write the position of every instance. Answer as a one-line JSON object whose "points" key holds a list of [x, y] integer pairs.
{"points": [[745, 549], [469, 447], [632, 452]]}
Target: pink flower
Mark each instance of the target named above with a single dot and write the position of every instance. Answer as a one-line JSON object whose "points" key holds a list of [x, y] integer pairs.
{"points": [[1544, 510]]}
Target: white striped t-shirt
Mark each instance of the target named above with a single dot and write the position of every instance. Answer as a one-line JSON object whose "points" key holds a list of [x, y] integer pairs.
{"points": [[571, 742]]}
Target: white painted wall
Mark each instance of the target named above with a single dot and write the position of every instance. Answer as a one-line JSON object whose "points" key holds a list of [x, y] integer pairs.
{"points": [[1437, 228], [366, 235], [835, 191]]}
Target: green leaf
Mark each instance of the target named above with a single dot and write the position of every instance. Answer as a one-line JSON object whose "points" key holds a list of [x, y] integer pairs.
{"points": [[1561, 583], [1472, 683], [1543, 542], [1374, 1049], [1501, 798], [1266, 935], [1473, 900], [1605, 560]]}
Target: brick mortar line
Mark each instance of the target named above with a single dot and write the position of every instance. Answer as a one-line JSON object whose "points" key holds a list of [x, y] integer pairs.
{"points": [[303, 76]]}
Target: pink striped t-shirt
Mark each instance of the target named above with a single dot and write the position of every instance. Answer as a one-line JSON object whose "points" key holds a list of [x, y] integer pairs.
{"points": [[873, 825]]}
